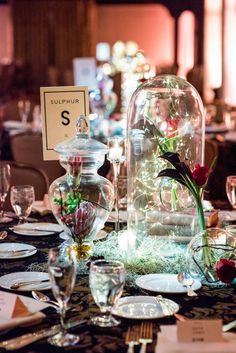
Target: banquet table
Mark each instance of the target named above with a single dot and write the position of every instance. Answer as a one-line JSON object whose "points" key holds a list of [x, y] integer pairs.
{"points": [[210, 303]]}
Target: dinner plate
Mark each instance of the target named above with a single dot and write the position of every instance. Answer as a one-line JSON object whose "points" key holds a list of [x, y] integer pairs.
{"points": [[144, 307], [216, 129], [101, 235], [113, 217], [37, 229], [15, 124], [164, 283], [15, 250], [8, 280]]}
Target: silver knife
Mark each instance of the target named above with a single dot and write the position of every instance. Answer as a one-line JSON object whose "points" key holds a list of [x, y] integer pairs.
{"points": [[228, 326], [39, 230], [24, 340]]}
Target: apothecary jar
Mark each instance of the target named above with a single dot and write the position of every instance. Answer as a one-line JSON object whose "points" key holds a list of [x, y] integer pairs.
{"points": [[81, 200], [165, 114]]}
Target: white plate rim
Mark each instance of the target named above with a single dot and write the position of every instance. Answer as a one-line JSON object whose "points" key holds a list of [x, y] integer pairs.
{"points": [[139, 282], [18, 246], [142, 299], [21, 276], [35, 233]]}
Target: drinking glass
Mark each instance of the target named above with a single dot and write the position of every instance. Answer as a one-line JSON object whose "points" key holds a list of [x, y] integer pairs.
{"points": [[62, 274], [106, 281], [5, 176], [22, 198], [24, 110], [231, 189], [116, 156]]}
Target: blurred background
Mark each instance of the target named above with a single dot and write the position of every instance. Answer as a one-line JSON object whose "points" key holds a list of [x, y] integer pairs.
{"points": [[112, 46]]}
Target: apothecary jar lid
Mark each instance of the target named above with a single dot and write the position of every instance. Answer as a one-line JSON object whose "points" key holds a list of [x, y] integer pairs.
{"points": [[81, 144]]}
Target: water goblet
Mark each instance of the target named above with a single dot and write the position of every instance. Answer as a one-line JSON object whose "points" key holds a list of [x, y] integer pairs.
{"points": [[5, 176], [116, 156], [22, 198], [24, 110], [231, 189], [106, 281], [62, 274]]}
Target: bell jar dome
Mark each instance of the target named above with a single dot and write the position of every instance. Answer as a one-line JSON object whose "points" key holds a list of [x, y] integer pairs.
{"points": [[165, 114]]}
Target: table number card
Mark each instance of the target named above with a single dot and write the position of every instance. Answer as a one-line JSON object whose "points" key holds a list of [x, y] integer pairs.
{"points": [[61, 106], [199, 331]]}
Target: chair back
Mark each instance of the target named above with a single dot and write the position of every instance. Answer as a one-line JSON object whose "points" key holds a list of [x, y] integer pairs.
{"points": [[23, 174], [27, 148], [211, 152]]}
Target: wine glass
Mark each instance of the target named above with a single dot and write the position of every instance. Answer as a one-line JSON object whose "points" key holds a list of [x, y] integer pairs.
{"points": [[22, 198], [116, 156], [5, 176], [106, 281], [62, 274], [24, 110], [231, 189]]}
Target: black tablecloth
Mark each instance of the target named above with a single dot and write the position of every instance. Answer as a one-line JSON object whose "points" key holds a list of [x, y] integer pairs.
{"points": [[210, 303]]}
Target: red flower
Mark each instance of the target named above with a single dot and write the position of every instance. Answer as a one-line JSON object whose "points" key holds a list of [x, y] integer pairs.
{"points": [[75, 165], [172, 127], [200, 174], [226, 270]]}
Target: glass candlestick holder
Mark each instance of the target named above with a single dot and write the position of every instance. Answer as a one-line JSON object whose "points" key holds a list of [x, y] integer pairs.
{"points": [[116, 156]]}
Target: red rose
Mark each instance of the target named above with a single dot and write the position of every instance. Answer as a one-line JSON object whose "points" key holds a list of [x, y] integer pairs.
{"points": [[172, 127], [226, 270], [200, 174]]}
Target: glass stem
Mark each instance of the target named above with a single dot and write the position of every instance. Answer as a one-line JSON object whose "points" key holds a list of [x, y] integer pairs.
{"points": [[62, 318], [2, 200], [116, 168], [206, 254]]}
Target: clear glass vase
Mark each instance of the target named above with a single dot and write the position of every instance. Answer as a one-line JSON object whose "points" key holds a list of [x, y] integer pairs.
{"points": [[206, 249], [165, 115], [81, 200]]}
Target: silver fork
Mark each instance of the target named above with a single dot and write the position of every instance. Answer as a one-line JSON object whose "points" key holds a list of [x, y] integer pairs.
{"points": [[145, 335], [132, 338]]}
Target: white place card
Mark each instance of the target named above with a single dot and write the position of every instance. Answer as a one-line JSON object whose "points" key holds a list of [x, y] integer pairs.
{"points": [[199, 331], [60, 107], [167, 343]]}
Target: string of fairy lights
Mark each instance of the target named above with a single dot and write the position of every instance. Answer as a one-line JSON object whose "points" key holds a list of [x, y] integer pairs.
{"points": [[174, 133]]}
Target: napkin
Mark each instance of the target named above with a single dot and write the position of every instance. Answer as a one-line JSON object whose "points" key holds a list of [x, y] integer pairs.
{"points": [[42, 207], [34, 318], [167, 343], [18, 310]]}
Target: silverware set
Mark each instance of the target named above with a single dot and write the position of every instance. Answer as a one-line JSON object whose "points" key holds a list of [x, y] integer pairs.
{"points": [[25, 340], [139, 335]]}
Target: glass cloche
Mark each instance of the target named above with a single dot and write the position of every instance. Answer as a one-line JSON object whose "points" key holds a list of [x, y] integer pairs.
{"points": [[81, 200], [165, 114]]}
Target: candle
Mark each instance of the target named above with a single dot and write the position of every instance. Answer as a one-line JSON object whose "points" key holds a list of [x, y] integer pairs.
{"points": [[127, 242], [115, 153]]}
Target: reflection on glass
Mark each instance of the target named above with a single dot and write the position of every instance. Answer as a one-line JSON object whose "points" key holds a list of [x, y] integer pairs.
{"points": [[22, 198], [24, 110], [106, 281], [5, 176], [62, 275], [231, 189]]}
